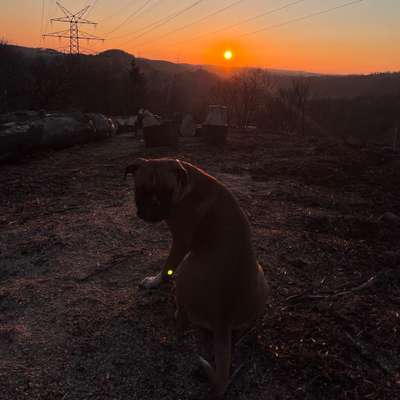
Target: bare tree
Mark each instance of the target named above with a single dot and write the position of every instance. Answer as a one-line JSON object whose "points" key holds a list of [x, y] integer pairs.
{"points": [[244, 94], [296, 99], [302, 90]]}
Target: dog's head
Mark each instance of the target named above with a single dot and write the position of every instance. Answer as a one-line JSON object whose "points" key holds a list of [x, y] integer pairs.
{"points": [[159, 185]]}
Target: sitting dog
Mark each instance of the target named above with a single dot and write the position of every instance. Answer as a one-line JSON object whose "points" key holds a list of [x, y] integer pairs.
{"points": [[220, 286]]}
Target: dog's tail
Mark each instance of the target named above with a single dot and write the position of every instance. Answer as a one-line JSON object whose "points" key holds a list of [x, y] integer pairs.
{"points": [[222, 353]]}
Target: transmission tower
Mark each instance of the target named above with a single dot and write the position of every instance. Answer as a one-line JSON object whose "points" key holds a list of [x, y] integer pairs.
{"points": [[74, 34]]}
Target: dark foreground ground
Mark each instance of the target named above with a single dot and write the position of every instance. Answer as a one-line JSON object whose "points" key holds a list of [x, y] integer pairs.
{"points": [[74, 325]]}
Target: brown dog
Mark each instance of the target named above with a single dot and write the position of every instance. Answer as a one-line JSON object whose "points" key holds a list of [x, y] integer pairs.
{"points": [[219, 286]]}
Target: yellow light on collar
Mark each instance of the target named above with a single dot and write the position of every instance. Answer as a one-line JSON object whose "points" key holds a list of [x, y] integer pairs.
{"points": [[170, 272]]}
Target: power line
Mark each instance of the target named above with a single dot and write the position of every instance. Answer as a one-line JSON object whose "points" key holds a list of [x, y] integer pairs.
{"points": [[42, 18], [50, 10], [92, 7], [134, 14], [304, 17], [138, 30], [219, 11], [118, 11], [160, 22], [155, 24], [263, 14], [86, 3], [166, 20]]}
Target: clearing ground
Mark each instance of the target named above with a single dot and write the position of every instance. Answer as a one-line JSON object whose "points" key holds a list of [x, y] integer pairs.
{"points": [[74, 325]]}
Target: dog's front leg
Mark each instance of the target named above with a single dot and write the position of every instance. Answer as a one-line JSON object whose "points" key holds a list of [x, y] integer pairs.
{"points": [[152, 281], [176, 255]]}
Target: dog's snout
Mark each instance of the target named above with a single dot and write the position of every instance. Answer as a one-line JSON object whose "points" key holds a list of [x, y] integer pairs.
{"points": [[153, 205], [150, 212]]}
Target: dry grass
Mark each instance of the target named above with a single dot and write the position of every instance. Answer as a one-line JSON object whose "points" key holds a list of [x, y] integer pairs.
{"points": [[74, 325]]}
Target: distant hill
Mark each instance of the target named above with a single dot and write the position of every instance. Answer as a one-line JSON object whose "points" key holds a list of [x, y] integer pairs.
{"points": [[349, 86], [160, 73], [32, 52], [323, 85], [163, 66], [176, 68], [148, 67], [282, 72]]}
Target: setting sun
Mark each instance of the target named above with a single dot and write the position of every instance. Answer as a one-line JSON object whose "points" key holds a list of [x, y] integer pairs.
{"points": [[228, 55]]}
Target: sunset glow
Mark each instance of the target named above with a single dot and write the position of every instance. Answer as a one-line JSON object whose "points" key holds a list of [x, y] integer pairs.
{"points": [[228, 55], [310, 35]]}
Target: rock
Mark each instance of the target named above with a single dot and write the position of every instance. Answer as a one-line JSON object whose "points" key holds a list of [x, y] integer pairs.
{"points": [[103, 126], [17, 139], [64, 131], [7, 125], [75, 114], [125, 124], [19, 117], [7, 118], [26, 115], [131, 121]]}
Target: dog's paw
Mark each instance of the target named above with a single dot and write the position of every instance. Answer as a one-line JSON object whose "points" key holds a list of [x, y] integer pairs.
{"points": [[151, 282]]}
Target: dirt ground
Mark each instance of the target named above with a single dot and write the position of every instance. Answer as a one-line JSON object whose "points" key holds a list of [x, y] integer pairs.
{"points": [[74, 324]]}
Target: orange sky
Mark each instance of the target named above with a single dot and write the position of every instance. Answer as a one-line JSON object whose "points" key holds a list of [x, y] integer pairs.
{"points": [[361, 38]]}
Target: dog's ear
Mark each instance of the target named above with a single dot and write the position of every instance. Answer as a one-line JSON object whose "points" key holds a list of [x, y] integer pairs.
{"points": [[131, 169], [181, 173]]}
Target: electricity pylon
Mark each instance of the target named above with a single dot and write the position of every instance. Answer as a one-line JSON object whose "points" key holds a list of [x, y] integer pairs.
{"points": [[73, 33]]}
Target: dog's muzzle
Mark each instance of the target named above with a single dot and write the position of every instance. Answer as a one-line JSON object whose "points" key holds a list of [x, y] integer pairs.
{"points": [[153, 207], [151, 215]]}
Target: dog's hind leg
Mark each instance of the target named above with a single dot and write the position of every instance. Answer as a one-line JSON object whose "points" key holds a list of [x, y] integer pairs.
{"points": [[222, 353], [204, 342]]}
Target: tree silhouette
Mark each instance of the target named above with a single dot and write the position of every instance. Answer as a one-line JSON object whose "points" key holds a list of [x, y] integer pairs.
{"points": [[136, 88]]}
